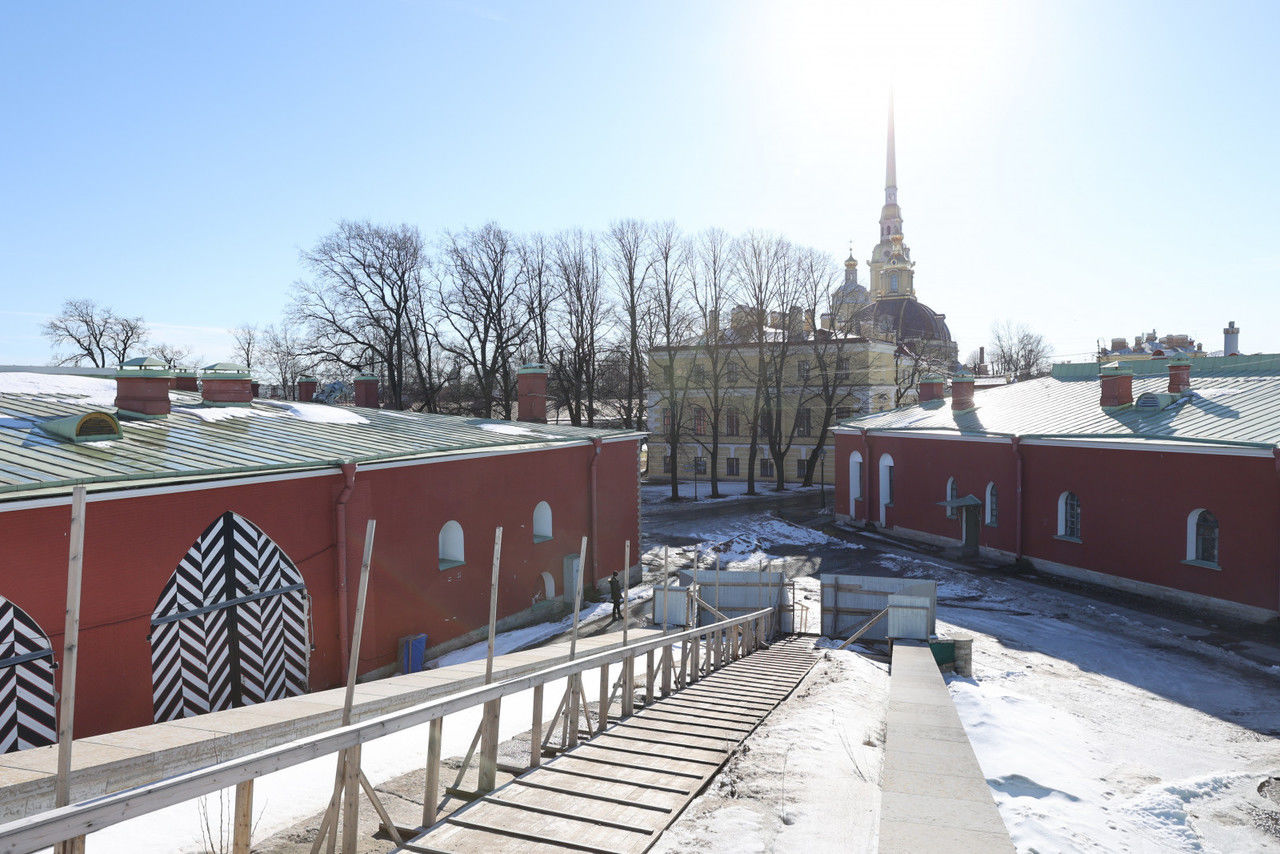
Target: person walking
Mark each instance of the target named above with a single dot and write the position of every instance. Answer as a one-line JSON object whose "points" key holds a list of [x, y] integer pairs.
{"points": [[615, 593]]}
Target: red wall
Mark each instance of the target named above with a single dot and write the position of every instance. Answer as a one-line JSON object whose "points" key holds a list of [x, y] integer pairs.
{"points": [[132, 545], [1134, 506]]}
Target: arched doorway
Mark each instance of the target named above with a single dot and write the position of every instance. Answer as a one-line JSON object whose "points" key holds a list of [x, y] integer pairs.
{"points": [[231, 625], [886, 486], [855, 483], [28, 716]]}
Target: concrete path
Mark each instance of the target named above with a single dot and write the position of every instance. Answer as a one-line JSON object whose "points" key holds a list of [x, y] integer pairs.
{"points": [[934, 796]]}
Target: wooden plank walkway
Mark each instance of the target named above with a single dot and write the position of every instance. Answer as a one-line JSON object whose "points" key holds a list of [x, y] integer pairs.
{"points": [[618, 791]]}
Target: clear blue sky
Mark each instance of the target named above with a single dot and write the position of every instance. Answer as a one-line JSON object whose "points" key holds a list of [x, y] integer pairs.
{"points": [[1089, 168]]}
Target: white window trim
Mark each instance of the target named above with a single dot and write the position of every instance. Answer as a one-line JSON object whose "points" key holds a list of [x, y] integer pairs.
{"points": [[543, 527], [452, 551], [986, 507], [951, 488], [855, 477], [1191, 560], [886, 500], [1062, 518]]}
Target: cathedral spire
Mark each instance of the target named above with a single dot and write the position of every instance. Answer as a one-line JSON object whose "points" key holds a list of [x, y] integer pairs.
{"points": [[891, 165]]}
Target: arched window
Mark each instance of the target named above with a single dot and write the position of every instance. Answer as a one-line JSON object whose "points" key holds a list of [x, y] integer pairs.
{"points": [[542, 522], [993, 505], [1069, 516], [451, 547], [893, 282], [855, 479], [886, 484], [699, 421], [1202, 537], [953, 493]]}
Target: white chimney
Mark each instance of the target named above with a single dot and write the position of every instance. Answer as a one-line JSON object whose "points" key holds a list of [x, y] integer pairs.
{"points": [[1231, 339]]}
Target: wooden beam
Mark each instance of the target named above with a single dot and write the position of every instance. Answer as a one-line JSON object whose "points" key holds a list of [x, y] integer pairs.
{"points": [[535, 734], [243, 828], [431, 792], [860, 632], [70, 656]]}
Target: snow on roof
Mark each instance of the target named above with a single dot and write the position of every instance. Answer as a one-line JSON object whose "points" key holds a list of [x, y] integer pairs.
{"points": [[82, 391]]}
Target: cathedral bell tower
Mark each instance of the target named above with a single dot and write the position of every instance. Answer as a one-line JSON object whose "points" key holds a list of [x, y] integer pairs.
{"points": [[890, 264]]}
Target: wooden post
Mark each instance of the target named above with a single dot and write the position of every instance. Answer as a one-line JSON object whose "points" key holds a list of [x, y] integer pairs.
{"points": [[244, 818], [487, 777], [575, 685], [351, 799], [70, 654], [717, 582], [649, 676], [626, 588], [666, 579], [694, 648], [667, 666], [535, 734], [628, 686], [603, 716], [628, 664], [431, 793]]}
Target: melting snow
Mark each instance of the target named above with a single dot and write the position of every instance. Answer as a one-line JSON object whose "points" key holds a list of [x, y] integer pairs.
{"points": [[318, 413], [514, 430], [81, 391]]}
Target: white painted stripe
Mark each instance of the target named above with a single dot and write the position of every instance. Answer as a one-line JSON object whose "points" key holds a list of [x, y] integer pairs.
{"points": [[1117, 444]]}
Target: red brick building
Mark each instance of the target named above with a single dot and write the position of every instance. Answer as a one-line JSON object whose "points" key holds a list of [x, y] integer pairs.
{"points": [[223, 537], [1159, 477]]}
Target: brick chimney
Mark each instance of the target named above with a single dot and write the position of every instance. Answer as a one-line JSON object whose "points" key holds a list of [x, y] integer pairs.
{"points": [[1231, 340], [142, 388], [226, 384], [367, 391], [1117, 386], [1179, 375], [185, 380], [307, 389], [931, 388], [962, 392], [531, 391]]}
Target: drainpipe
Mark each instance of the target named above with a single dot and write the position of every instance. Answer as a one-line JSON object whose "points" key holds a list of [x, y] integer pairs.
{"points": [[340, 512], [1017, 452], [595, 563], [1275, 452]]}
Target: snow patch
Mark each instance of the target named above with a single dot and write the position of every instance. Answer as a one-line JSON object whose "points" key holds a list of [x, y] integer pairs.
{"points": [[65, 388], [515, 430], [317, 413]]}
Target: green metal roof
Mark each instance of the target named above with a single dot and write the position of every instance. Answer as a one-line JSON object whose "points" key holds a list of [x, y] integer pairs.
{"points": [[196, 441], [1234, 400]]}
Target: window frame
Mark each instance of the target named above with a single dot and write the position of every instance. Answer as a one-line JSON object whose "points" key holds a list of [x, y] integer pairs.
{"points": [[855, 478], [733, 470], [953, 492], [457, 557], [991, 506], [1194, 541], [1065, 519], [766, 467], [543, 532]]}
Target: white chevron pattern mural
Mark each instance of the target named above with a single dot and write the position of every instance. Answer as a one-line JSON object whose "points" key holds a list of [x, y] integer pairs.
{"points": [[27, 711], [230, 627]]}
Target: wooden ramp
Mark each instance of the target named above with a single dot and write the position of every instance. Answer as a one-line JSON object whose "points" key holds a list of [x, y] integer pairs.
{"points": [[620, 790]]}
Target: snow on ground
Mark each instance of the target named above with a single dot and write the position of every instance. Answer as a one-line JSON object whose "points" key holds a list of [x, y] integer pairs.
{"points": [[743, 543], [730, 490], [807, 780]]}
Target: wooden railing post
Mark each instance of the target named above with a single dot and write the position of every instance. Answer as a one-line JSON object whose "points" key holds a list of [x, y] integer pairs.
{"points": [[535, 734], [667, 666], [244, 818], [694, 648], [431, 792], [603, 717], [487, 778], [649, 678], [628, 686]]}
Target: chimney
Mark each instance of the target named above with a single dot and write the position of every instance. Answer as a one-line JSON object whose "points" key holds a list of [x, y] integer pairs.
{"points": [[1179, 375], [367, 391], [531, 391], [931, 386], [1117, 386], [142, 388], [1231, 340], [962, 392], [255, 388], [226, 384], [186, 380], [307, 388]]}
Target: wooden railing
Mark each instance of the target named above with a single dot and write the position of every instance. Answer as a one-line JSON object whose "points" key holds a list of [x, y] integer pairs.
{"points": [[700, 651]]}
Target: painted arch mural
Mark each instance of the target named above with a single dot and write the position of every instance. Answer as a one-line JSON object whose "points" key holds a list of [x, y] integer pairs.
{"points": [[27, 710], [231, 625]]}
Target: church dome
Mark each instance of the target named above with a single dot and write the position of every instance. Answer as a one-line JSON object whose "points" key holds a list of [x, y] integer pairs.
{"points": [[907, 319]]}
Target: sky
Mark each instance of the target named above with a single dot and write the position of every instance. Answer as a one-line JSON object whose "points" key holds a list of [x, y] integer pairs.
{"points": [[1089, 169]]}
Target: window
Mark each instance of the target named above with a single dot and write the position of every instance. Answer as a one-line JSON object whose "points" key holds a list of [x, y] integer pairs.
{"points": [[542, 522], [699, 421], [451, 546], [893, 282], [666, 420], [802, 371], [804, 422], [843, 412], [1202, 537], [699, 374], [953, 492], [766, 468], [802, 466], [731, 373], [666, 464], [699, 465], [886, 484], [855, 479], [731, 425], [731, 466], [993, 506], [842, 369], [1069, 516]]}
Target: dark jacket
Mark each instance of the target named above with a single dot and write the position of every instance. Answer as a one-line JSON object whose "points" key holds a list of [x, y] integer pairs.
{"points": [[615, 588]]}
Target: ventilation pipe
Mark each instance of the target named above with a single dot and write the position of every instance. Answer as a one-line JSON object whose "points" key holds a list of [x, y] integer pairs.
{"points": [[931, 388], [367, 391], [1179, 375], [1231, 340], [226, 384], [531, 392], [307, 389], [142, 388], [962, 392], [1117, 386]]}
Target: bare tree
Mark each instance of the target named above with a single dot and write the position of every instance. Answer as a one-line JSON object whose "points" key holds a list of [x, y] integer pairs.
{"points": [[672, 327], [94, 333], [359, 302], [283, 353], [247, 345], [577, 267], [786, 394], [173, 355], [540, 291], [711, 274], [630, 265], [1019, 352], [483, 311], [761, 262]]}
